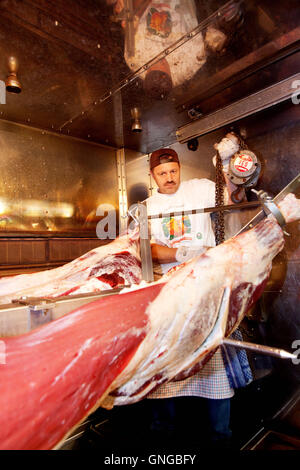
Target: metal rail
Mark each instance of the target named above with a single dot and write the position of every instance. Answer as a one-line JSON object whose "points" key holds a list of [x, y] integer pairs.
{"points": [[252, 104], [32, 312], [242, 205]]}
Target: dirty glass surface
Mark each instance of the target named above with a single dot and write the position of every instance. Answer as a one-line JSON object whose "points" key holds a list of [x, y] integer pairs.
{"points": [[85, 65], [121, 73], [52, 184]]}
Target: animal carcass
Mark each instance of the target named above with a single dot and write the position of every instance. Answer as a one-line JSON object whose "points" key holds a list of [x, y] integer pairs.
{"points": [[113, 265], [117, 349]]}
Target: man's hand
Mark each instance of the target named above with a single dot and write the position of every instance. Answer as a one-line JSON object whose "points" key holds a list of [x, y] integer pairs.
{"points": [[228, 146], [164, 254], [184, 253]]}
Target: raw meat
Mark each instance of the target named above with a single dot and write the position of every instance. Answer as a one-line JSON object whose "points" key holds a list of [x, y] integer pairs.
{"points": [[119, 348], [109, 266], [57, 374]]}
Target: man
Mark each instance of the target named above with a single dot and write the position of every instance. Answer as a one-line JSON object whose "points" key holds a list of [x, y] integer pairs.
{"points": [[173, 241], [178, 239]]}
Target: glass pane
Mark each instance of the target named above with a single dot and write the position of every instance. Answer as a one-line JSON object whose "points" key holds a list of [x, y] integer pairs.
{"points": [[51, 184], [123, 74]]}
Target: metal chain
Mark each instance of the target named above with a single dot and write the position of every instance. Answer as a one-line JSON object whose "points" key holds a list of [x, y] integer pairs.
{"points": [[219, 198], [219, 201], [243, 145]]}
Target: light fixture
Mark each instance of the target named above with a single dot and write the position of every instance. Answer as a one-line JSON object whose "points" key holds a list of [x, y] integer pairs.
{"points": [[135, 115], [12, 83], [193, 145]]}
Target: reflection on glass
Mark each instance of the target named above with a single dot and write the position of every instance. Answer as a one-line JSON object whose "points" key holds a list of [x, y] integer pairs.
{"points": [[151, 27], [34, 214], [190, 47], [52, 184]]}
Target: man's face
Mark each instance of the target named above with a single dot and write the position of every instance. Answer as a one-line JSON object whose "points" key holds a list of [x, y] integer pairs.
{"points": [[167, 177]]}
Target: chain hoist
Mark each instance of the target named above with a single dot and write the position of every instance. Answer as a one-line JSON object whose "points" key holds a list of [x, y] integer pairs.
{"points": [[219, 201], [243, 170]]}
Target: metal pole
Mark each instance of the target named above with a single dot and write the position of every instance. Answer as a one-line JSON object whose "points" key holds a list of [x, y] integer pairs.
{"points": [[289, 188], [146, 255], [242, 205], [259, 348]]}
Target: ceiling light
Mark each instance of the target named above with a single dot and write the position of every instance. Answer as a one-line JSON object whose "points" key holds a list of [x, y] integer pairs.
{"points": [[136, 125], [12, 83]]}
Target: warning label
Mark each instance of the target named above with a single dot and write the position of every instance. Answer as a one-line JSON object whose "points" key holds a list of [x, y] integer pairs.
{"points": [[243, 163]]}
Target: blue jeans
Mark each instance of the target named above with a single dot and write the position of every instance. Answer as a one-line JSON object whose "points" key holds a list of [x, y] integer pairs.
{"points": [[213, 414], [219, 418], [163, 414]]}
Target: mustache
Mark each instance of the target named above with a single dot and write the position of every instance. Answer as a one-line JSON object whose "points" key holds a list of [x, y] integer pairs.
{"points": [[169, 182]]}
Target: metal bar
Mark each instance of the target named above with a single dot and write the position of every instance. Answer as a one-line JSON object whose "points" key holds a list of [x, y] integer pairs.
{"points": [[259, 348], [271, 208], [246, 446], [288, 406], [242, 205], [14, 317], [289, 188], [129, 28], [118, 119], [38, 317], [123, 218], [44, 301], [146, 256], [252, 104]]}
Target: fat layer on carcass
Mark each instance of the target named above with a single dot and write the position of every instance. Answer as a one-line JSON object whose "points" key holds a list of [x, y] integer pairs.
{"points": [[119, 348], [113, 265]]}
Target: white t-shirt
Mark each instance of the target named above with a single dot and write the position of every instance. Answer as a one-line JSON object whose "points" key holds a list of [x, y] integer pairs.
{"points": [[196, 229], [187, 229]]}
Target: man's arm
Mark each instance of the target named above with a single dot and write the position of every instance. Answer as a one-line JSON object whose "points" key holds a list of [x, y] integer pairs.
{"points": [[163, 254]]}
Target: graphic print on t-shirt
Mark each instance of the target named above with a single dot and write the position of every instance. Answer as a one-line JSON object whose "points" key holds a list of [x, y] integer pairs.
{"points": [[159, 22], [177, 228]]}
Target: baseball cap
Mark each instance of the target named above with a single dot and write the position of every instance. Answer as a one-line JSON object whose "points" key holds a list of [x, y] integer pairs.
{"points": [[163, 156]]}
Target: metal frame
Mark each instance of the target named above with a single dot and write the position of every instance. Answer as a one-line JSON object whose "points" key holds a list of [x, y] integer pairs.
{"points": [[123, 217], [252, 104], [146, 256], [32, 312]]}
